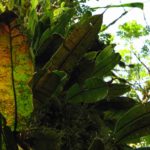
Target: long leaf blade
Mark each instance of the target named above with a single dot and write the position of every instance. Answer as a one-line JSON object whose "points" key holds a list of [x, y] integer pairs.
{"points": [[75, 45], [134, 124], [15, 70], [132, 5], [92, 91]]}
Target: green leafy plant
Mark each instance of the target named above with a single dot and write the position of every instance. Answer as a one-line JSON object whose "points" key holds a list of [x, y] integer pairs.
{"points": [[75, 108]]}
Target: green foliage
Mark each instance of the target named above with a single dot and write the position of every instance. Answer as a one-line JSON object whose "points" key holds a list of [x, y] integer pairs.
{"points": [[118, 90], [92, 91], [2, 8], [136, 4], [132, 5], [74, 106], [15, 69], [136, 69], [145, 49], [59, 25], [134, 123], [106, 61], [132, 30]]}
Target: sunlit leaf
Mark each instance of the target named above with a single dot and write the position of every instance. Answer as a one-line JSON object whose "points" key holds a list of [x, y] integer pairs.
{"points": [[2, 8], [132, 29], [15, 67], [58, 25], [135, 4], [132, 5], [106, 61], [34, 4]]}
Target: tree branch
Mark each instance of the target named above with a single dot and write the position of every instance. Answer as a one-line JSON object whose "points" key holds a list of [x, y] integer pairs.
{"points": [[148, 69], [113, 22]]}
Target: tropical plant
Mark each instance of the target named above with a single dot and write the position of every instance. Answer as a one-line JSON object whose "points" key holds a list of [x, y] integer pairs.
{"points": [[75, 108]]}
